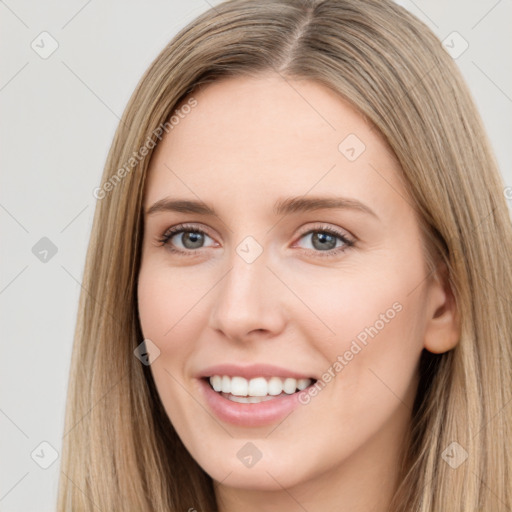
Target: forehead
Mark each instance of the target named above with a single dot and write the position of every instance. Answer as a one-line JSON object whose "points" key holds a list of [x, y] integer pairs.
{"points": [[249, 138]]}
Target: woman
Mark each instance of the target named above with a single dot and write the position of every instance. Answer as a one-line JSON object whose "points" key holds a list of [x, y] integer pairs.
{"points": [[224, 360]]}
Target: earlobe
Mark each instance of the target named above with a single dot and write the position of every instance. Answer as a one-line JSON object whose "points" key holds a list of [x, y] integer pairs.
{"points": [[442, 331]]}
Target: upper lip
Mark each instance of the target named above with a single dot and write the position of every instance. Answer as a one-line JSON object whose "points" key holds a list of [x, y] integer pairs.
{"points": [[251, 371]]}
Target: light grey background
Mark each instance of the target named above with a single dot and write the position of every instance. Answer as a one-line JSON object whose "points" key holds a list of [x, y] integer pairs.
{"points": [[58, 116]]}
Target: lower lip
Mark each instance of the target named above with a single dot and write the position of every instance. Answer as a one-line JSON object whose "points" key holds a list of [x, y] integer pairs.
{"points": [[248, 415]]}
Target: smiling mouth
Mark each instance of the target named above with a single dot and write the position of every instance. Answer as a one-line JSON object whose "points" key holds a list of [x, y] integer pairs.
{"points": [[256, 390]]}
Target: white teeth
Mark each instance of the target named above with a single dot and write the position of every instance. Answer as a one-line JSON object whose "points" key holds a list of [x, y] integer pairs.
{"points": [[216, 382], [239, 386], [258, 388], [226, 384], [289, 386], [248, 399], [303, 384], [275, 386]]}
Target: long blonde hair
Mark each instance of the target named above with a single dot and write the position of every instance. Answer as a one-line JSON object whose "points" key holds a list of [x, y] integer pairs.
{"points": [[120, 451]]}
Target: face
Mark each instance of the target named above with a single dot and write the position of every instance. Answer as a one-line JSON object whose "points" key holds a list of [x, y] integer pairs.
{"points": [[300, 267]]}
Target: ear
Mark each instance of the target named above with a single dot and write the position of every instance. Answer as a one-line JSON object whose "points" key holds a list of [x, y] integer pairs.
{"points": [[442, 331]]}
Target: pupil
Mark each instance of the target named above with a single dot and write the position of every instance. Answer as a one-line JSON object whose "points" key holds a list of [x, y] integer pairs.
{"points": [[322, 238], [195, 239]]}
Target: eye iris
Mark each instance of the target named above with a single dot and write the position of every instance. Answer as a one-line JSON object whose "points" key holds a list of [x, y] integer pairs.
{"points": [[195, 238], [322, 238]]}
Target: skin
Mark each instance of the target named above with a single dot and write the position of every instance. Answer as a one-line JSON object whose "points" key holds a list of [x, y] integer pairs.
{"points": [[248, 142]]}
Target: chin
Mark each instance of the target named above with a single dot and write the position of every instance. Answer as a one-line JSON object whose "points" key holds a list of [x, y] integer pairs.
{"points": [[271, 472]]}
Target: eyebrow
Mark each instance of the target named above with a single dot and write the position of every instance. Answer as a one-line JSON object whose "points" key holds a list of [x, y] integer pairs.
{"points": [[281, 207]]}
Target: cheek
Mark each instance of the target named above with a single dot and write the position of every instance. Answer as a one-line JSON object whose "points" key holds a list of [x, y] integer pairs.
{"points": [[165, 308], [342, 304], [165, 299], [372, 332], [164, 305]]}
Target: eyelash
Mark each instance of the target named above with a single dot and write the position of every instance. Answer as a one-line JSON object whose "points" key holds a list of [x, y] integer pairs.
{"points": [[187, 228]]}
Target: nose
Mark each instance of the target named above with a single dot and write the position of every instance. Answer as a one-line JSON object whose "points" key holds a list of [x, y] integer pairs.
{"points": [[249, 301]]}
